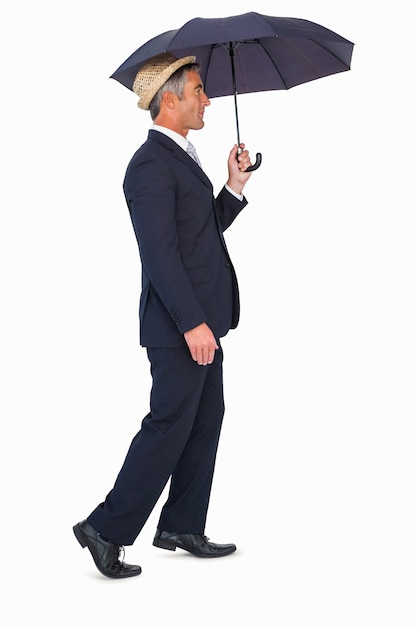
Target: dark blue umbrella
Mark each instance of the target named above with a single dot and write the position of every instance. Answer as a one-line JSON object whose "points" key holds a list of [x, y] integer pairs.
{"points": [[248, 53]]}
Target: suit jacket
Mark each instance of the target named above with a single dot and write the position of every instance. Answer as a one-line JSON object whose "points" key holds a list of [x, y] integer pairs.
{"points": [[187, 275]]}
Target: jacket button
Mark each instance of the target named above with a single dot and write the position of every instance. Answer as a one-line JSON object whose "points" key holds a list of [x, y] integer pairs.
{"points": [[227, 264]]}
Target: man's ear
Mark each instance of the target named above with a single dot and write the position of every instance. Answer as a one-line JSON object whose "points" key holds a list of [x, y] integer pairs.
{"points": [[169, 99]]}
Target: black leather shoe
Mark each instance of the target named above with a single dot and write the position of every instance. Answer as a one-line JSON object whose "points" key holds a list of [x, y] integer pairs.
{"points": [[105, 554], [199, 545]]}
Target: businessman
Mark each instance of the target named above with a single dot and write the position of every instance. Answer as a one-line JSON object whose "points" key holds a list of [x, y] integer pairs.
{"points": [[188, 302]]}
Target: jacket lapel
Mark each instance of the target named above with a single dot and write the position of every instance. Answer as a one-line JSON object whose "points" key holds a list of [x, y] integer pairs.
{"points": [[181, 155]]}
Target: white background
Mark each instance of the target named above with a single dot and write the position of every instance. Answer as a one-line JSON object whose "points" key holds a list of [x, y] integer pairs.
{"points": [[316, 472]]}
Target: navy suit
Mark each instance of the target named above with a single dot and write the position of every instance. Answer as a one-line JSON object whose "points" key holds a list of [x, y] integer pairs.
{"points": [[187, 279]]}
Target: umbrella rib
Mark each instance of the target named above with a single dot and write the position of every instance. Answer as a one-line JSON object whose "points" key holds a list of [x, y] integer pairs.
{"points": [[305, 59], [208, 62], [258, 41], [317, 43], [330, 52]]}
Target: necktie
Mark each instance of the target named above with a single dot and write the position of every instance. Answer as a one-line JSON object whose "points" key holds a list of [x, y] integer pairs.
{"points": [[192, 152]]}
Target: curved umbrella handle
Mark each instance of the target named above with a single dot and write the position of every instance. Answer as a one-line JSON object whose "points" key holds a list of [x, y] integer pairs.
{"points": [[257, 163]]}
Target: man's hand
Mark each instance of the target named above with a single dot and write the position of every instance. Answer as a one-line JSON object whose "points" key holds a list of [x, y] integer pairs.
{"points": [[237, 163], [201, 343]]}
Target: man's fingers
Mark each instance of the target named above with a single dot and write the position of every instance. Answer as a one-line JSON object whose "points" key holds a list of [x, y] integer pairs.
{"points": [[205, 356], [201, 344]]}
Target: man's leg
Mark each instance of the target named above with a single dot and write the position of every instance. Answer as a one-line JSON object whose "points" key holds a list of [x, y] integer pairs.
{"points": [[186, 508], [177, 386]]}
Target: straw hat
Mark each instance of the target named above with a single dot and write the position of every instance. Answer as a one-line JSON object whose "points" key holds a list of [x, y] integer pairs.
{"points": [[154, 73]]}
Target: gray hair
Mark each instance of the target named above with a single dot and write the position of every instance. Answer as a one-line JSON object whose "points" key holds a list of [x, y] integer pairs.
{"points": [[175, 83]]}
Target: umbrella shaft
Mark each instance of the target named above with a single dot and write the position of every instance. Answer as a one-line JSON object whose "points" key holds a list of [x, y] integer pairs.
{"points": [[231, 47], [237, 122]]}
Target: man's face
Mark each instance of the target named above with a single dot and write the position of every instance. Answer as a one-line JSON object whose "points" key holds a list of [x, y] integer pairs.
{"points": [[194, 101]]}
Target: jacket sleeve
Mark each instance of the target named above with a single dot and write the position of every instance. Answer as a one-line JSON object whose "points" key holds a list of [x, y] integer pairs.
{"points": [[228, 207]]}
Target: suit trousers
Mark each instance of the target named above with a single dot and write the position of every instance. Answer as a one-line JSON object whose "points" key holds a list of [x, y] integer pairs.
{"points": [[178, 439]]}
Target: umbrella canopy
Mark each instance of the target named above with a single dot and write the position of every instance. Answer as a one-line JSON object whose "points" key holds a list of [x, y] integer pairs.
{"points": [[248, 53]]}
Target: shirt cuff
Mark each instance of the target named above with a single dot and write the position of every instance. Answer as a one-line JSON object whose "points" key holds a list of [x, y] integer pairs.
{"points": [[239, 196]]}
